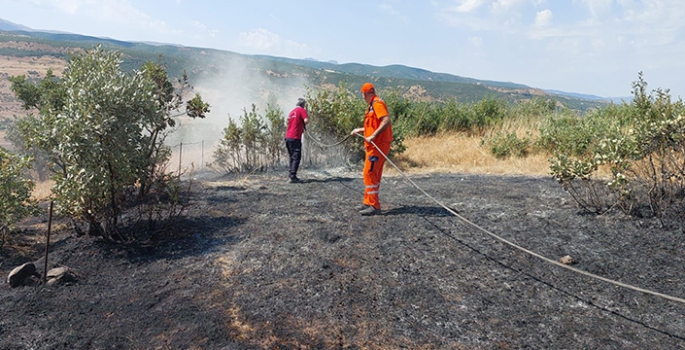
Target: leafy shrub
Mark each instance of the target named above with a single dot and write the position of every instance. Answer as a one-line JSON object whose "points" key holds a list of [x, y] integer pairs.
{"points": [[228, 156], [659, 171], [504, 145], [275, 132], [535, 107], [642, 150], [334, 113], [422, 118], [252, 143], [15, 192], [455, 117], [103, 132], [487, 112], [573, 135]]}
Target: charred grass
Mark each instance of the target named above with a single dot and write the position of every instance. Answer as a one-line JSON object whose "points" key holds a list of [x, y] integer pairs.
{"points": [[258, 263]]}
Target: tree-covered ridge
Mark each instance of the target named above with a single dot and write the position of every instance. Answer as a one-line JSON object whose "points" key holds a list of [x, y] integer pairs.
{"points": [[202, 62]]}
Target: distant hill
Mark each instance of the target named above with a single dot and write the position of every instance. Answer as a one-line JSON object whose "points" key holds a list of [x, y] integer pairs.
{"points": [[75, 38], [7, 25], [395, 71], [577, 95], [269, 74]]}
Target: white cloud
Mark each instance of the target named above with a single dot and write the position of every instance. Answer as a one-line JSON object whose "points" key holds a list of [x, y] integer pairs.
{"points": [[476, 41], [260, 39], [66, 6], [543, 18], [203, 29], [485, 14], [120, 12], [388, 9], [392, 11], [507, 7], [584, 36], [641, 24], [508, 13], [469, 5], [597, 8], [263, 41], [630, 23]]}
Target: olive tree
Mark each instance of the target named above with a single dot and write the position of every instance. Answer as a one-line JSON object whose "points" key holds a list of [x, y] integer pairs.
{"points": [[105, 136]]}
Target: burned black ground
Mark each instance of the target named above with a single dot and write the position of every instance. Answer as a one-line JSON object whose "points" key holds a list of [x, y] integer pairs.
{"points": [[259, 263]]}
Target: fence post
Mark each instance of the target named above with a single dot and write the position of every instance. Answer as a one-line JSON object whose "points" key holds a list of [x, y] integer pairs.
{"points": [[180, 157], [47, 245]]}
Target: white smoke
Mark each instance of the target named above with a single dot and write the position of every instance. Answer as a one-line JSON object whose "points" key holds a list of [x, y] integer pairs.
{"points": [[231, 84]]}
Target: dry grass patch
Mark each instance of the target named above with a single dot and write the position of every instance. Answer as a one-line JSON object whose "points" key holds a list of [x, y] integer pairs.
{"points": [[22, 65], [43, 190], [15, 66], [461, 153]]}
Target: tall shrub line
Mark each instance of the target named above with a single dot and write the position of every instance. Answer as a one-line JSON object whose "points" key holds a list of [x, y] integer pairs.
{"points": [[334, 113]]}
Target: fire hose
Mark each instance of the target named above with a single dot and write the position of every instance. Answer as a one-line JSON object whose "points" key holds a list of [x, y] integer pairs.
{"points": [[511, 244]]}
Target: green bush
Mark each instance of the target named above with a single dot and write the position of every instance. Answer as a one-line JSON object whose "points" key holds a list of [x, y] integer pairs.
{"points": [[487, 112], [573, 135], [228, 156], [252, 143], [275, 132], [334, 114], [103, 132], [535, 107], [15, 192], [504, 145], [641, 145], [455, 117]]}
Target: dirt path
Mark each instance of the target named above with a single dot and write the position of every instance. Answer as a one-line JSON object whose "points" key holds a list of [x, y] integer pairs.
{"points": [[268, 264]]}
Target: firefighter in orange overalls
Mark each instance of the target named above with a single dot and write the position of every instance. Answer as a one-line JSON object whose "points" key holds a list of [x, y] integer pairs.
{"points": [[377, 128]]}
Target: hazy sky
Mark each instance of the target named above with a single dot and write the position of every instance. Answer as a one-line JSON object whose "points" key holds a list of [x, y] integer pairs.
{"points": [[586, 46]]}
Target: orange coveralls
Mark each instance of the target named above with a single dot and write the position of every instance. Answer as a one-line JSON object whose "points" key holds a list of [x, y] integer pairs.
{"points": [[373, 164]]}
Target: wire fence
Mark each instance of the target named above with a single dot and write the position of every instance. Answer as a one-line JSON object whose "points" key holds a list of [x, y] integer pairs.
{"points": [[195, 155], [199, 155], [184, 155]]}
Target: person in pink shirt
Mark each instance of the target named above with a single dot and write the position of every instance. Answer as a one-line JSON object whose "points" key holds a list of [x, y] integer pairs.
{"points": [[297, 119]]}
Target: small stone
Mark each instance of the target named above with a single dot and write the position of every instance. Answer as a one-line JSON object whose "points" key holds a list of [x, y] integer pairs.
{"points": [[61, 274], [567, 260], [19, 274]]}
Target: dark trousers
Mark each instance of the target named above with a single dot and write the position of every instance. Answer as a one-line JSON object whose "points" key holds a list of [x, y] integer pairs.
{"points": [[295, 151]]}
